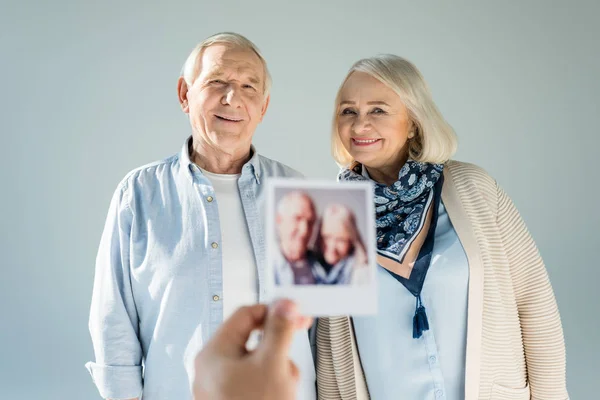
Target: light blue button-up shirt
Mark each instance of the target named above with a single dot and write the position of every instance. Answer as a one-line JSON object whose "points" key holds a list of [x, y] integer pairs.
{"points": [[432, 367], [158, 288]]}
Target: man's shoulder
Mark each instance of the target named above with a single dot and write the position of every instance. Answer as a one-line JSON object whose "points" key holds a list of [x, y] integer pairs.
{"points": [[149, 175], [272, 167]]}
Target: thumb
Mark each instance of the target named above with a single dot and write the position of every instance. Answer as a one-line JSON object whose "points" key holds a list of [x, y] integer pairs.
{"points": [[280, 325]]}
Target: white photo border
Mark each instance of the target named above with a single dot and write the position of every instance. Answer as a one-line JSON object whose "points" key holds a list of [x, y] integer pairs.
{"points": [[323, 300]]}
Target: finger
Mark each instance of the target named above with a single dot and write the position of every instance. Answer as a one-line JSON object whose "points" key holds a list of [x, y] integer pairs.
{"points": [[279, 328], [304, 322], [294, 371], [233, 334], [200, 394]]}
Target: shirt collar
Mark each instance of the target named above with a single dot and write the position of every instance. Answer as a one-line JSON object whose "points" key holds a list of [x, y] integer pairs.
{"points": [[364, 172], [190, 169]]}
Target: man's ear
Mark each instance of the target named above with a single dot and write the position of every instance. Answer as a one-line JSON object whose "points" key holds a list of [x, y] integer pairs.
{"points": [[182, 94], [264, 108]]}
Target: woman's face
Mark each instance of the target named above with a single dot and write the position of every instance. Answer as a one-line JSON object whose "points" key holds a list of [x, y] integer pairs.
{"points": [[337, 243], [372, 122]]}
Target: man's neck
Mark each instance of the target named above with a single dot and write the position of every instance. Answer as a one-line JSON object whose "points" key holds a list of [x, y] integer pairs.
{"points": [[298, 262], [219, 161]]}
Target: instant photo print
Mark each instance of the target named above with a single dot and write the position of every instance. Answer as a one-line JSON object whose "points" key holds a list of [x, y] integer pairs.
{"points": [[321, 246]]}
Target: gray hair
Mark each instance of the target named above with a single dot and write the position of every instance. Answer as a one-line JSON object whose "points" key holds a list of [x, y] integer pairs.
{"points": [[283, 204], [191, 67]]}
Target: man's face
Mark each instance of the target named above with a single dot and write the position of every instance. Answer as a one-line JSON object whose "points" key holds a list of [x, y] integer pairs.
{"points": [[295, 225], [226, 102]]}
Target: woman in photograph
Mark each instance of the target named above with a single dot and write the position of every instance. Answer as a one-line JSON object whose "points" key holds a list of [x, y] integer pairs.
{"points": [[466, 309], [342, 254]]}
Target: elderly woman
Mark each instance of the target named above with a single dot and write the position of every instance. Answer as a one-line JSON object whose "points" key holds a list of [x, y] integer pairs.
{"points": [[343, 258], [466, 310]]}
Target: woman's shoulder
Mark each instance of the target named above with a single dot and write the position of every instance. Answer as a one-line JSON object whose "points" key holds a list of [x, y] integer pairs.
{"points": [[464, 173], [469, 179]]}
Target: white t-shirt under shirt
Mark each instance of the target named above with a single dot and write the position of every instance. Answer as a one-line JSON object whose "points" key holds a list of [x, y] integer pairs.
{"points": [[240, 283], [239, 265]]}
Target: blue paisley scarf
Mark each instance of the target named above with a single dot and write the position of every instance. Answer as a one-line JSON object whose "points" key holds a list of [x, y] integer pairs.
{"points": [[400, 215]]}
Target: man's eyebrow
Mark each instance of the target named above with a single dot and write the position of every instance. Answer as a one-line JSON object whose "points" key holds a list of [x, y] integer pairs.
{"points": [[215, 73], [218, 73], [249, 73]]}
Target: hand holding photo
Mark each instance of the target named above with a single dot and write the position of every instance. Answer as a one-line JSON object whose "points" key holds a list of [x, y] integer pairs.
{"points": [[320, 246]]}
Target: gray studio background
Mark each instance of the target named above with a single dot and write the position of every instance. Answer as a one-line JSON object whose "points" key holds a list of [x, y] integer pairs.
{"points": [[87, 93]]}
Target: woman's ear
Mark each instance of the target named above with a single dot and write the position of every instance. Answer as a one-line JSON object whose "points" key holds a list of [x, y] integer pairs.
{"points": [[413, 130]]}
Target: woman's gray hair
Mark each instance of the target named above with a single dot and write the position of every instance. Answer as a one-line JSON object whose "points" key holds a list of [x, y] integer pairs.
{"points": [[434, 141], [191, 68], [346, 215]]}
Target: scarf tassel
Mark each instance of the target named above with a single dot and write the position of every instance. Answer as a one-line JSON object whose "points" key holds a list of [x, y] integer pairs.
{"points": [[420, 322]]}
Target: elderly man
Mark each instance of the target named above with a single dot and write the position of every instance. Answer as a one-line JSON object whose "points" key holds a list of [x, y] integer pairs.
{"points": [[295, 221], [183, 245]]}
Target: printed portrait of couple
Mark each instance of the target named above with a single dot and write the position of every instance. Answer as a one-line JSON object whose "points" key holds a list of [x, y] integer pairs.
{"points": [[318, 248]]}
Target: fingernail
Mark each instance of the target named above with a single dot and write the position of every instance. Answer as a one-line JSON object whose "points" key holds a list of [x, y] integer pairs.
{"points": [[286, 309]]}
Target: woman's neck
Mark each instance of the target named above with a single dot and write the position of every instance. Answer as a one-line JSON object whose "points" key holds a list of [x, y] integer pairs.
{"points": [[387, 174]]}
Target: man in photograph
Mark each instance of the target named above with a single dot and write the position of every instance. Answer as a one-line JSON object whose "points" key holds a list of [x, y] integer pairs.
{"points": [[294, 224]]}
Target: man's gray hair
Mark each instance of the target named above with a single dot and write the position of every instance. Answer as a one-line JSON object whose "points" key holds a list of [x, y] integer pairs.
{"points": [[191, 68], [284, 203]]}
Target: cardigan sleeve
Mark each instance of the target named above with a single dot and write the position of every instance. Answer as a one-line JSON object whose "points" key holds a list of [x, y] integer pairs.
{"points": [[538, 312]]}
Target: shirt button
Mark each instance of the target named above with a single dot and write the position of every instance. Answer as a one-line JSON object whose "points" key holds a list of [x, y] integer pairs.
{"points": [[432, 359], [216, 298], [439, 393], [214, 245], [209, 199]]}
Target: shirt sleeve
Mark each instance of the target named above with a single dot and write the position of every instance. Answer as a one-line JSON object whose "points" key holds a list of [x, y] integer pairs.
{"points": [[113, 321]]}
